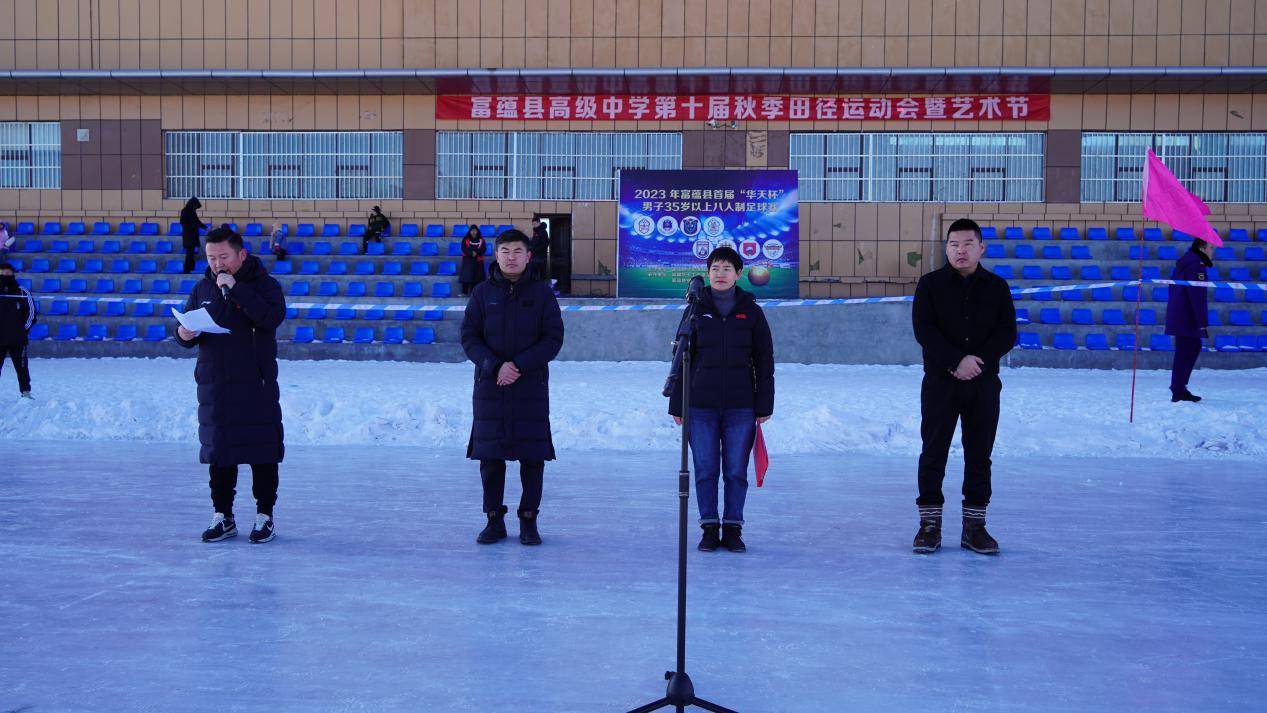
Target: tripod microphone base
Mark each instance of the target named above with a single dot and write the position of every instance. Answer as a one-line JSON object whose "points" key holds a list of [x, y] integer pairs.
{"points": [[680, 695]]}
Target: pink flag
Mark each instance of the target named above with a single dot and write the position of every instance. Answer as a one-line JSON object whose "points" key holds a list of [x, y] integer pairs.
{"points": [[1167, 201]]}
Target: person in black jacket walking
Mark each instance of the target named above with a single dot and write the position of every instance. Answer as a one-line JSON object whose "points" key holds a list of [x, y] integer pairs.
{"points": [[472, 272], [239, 410], [190, 232], [511, 331], [540, 248], [1188, 317], [732, 390], [17, 317], [965, 321]]}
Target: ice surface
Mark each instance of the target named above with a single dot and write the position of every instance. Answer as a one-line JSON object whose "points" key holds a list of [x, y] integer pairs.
{"points": [[1124, 584]]}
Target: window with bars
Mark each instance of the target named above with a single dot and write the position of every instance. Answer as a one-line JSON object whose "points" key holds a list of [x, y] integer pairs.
{"points": [[919, 167], [1217, 167], [310, 165], [538, 165], [30, 154]]}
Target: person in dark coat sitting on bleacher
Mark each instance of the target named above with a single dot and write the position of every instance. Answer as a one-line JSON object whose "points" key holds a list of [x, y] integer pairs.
{"points": [[17, 317], [378, 224], [190, 231], [512, 330], [473, 248], [1187, 317], [239, 411]]}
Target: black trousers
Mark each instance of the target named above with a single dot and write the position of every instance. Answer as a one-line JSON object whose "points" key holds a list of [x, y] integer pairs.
{"points": [[191, 257], [369, 235], [493, 475], [945, 400], [224, 483], [1187, 349], [17, 352]]}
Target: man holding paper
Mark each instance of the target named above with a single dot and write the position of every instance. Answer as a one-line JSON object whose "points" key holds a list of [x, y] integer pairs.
{"points": [[239, 411]]}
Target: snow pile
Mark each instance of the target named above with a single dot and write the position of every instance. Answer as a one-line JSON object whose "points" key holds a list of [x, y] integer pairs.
{"points": [[617, 406]]}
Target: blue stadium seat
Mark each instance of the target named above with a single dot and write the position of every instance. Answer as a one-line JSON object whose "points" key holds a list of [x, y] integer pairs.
{"points": [[337, 267], [384, 289], [1161, 343], [1212, 318], [392, 267], [401, 249], [187, 286], [441, 289], [66, 332], [1238, 235], [300, 288], [1247, 343], [1256, 295], [126, 229], [1097, 342], [1153, 234], [1239, 274], [434, 230], [1063, 341], [84, 247], [143, 309], [174, 267], [116, 309], [376, 249], [995, 250], [1225, 343], [315, 313], [424, 335], [161, 287], [164, 247], [33, 246], [1112, 317], [375, 313], [66, 265], [394, 335], [38, 333], [1049, 315], [409, 230], [1004, 271], [356, 289], [1022, 315], [76, 228], [1031, 272], [356, 230], [96, 333], [1223, 254], [111, 247], [1137, 252], [153, 228], [364, 267], [254, 230], [1082, 315], [1069, 233], [346, 248], [488, 230], [104, 286], [1040, 232], [18, 266], [447, 268], [1119, 273], [77, 287], [1161, 293], [86, 309], [52, 227], [294, 247], [25, 228], [1167, 252], [1097, 233], [402, 314], [1089, 272], [1125, 233], [1013, 232], [282, 267], [291, 312], [138, 247], [40, 264], [419, 268], [59, 308], [305, 230], [1028, 340], [328, 289], [1044, 296], [1151, 272], [321, 247], [429, 250], [1126, 342], [94, 265], [303, 335], [363, 335], [333, 335], [309, 267], [173, 229], [1080, 252], [459, 231], [125, 333], [1147, 317], [1224, 294], [1061, 272], [131, 287], [331, 230], [345, 313], [1024, 252], [1212, 273], [455, 249], [503, 228], [1072, 296], [59, 246], [1262, 235], [412, 289], [1255, 253]]}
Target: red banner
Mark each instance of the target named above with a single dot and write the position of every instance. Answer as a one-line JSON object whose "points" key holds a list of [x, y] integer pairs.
{"points": [[743, 107]]}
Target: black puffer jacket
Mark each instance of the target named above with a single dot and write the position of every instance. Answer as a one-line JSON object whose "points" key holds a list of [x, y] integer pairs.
{"points": [[190, 224], [239, 410], [518, 322], [17, 313], [732, 363]]}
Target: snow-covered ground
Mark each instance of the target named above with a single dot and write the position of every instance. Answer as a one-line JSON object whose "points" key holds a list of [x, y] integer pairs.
{"points": [[617, 406]]}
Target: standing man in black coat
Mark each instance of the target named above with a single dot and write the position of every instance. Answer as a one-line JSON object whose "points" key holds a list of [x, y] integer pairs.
{"points": [[1188, 317], [511, 331], [190, 231], [540, 248], [17, 316], [965, 321], [239, 410]]}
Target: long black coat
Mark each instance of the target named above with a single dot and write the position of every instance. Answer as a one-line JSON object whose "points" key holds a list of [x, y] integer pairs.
{"points": [[472, 260], [518, 322], [17, 314], [190, 224], [239, 414], [1187, 310], [732, 363]]}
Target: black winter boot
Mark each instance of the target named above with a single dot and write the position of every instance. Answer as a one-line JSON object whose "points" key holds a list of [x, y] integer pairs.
{"points": [[495, 531], [1185, 395], [731, 538], [928, 539], [711, 539], [528, 534], [975, 537]]}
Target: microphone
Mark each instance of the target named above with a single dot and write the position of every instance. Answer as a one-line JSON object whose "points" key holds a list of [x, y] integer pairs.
{"points": [[224, 290], [694, 287]]}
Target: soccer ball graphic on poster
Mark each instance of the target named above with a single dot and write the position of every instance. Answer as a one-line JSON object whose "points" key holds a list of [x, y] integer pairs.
{"points": [[759, 276]]}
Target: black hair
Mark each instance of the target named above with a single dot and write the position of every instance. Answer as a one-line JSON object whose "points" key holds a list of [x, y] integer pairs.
{"points": [[513, 236], [7, 266], [476, 228], [536, 219], [1197, 244], [728, 255], [964, 224], [225, 234]]}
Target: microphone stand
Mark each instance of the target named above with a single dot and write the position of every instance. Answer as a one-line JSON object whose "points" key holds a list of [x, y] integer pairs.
{"points": [[681, 691]]}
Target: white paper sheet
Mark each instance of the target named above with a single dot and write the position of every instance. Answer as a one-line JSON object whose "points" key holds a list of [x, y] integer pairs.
{"points": [[198, 320]]}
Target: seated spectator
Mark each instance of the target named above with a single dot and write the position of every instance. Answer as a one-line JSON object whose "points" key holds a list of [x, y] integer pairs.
{"points": [[276, 243], [7, 241], [378, 224]]}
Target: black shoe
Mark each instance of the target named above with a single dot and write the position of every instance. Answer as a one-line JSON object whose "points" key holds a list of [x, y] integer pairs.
{"points": [[711, 539], [1185, 396], [928, 539], [263, 530], [222, 528], [974, 536], [731, 538], [495, 531], [528, 534]]}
